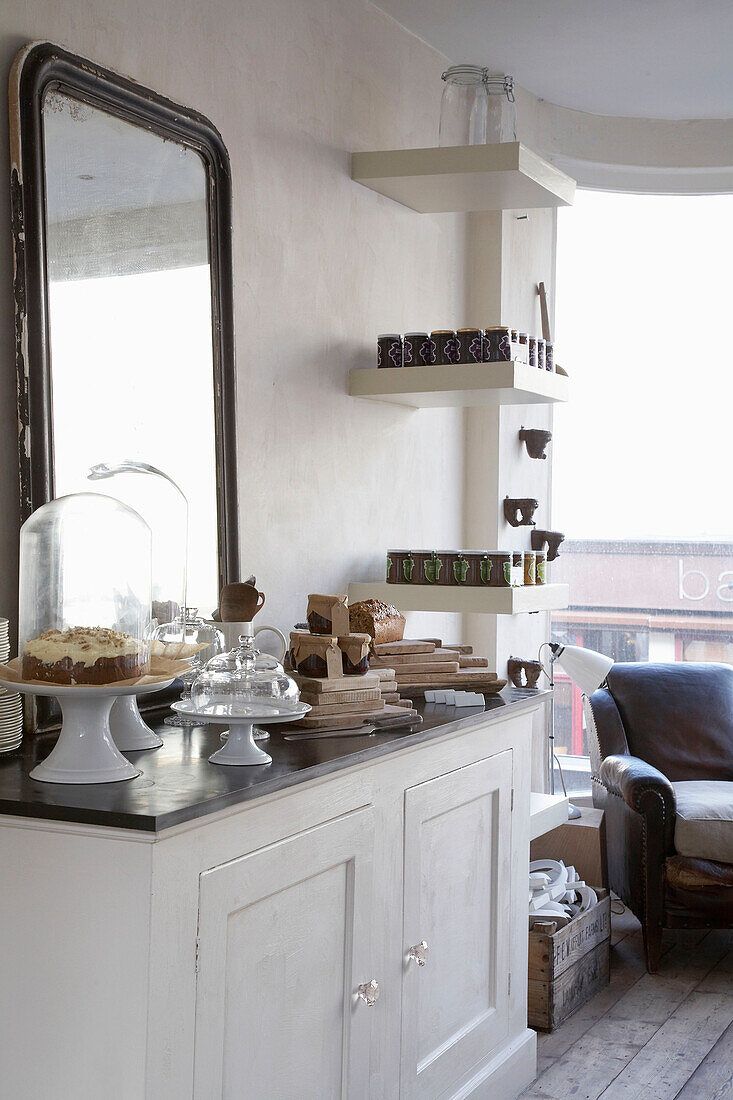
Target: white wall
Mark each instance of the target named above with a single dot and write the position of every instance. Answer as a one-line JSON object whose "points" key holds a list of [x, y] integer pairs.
{"points": [[322, 265]]}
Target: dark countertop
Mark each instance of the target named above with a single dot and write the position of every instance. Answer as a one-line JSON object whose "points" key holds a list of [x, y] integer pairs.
{"points": [[179, 784]]}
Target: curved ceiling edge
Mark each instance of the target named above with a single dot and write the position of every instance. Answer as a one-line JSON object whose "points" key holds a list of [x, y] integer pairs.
{"points": [[654, 156]]}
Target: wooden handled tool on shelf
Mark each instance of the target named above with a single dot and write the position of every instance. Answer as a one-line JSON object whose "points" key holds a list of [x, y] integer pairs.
{"points": [[545, 311]]}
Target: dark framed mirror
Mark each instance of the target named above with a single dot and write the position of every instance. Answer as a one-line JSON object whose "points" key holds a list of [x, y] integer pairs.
{"points": [[121, 210]]}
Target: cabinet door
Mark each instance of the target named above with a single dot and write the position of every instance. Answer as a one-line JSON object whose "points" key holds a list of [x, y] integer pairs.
{"points": [[457, 899], [283, 945]]}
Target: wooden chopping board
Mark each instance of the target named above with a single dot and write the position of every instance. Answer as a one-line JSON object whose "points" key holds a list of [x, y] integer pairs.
{"points": [[334, 709], [351, 721], [323, 697], [464, 675], [386, 649], [485, 687], [398, 659], [437, 668], [316, 686]]}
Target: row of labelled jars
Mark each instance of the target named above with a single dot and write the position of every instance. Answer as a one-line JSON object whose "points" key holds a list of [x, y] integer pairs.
{"points": [[445, 347], [472, 568]]}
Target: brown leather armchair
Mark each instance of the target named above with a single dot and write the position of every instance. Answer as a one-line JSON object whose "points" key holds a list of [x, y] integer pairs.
{"points": [[661, 747]]}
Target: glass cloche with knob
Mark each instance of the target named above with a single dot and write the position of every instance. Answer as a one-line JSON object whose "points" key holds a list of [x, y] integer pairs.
{"points": [[85, 592], [187, 637], [244, 683]]}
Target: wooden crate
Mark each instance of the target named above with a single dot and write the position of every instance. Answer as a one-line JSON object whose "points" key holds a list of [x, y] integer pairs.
{"points": [[579, 843], [567, 969]]}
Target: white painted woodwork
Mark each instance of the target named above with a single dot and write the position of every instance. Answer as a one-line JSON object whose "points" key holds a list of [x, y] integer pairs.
{"points": [[464, 178], [454, 1009], [508, 256], [546, 812], [289, 902], [459, 385], [283, 944], [471, 599]]}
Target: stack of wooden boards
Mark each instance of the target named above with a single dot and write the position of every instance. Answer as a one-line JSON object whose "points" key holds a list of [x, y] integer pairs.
{"points": [[348, 701], [426, 664]]}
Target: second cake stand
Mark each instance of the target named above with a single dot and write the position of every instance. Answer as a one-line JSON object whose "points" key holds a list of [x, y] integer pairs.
{"points": [[130, 731], [239, 748]]}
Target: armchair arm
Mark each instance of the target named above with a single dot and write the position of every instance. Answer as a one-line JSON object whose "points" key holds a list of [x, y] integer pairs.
{"points": [[640, 808], [643, 788]]}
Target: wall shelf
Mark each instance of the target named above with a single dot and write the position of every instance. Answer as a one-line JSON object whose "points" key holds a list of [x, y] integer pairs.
{"points": [[453, 599], [465, 178], [546, 812], [459, 385]]}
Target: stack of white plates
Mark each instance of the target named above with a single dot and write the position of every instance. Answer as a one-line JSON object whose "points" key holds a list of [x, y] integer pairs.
{"points": [[11, 704]]}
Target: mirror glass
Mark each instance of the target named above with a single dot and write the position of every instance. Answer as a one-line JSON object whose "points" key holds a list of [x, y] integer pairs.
{"points": [[130, 318]]}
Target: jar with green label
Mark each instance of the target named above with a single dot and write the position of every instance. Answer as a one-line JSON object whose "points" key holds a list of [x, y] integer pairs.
{"points": [[432, 567], [501, 568], [396, 571], [457, 568], [418, 558], [540, 569], [530, 561], [517, 568], [485, 569]]}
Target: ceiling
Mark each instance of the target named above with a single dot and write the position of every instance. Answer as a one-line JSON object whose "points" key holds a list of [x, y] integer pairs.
{"points": [[633, 58], [98, 164]]}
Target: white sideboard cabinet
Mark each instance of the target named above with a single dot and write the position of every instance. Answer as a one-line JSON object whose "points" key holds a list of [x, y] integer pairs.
{"points": [[359, 935]]}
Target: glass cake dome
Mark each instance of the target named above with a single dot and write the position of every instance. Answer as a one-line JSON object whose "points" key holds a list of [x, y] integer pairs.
{"points": [[85, 592], [244, 683], [191, 638]]}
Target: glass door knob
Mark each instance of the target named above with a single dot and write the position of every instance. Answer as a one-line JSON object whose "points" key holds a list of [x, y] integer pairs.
{"points": [[369, 992], [419, 953]]}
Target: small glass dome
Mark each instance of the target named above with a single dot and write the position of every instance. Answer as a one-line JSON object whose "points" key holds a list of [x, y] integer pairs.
{"points": [[85, 592], [188, 636], [244, 683]]}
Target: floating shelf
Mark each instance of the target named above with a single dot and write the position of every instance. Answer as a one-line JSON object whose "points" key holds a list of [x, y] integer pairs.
{"points": [[465, 178], [459, 385], [453, 599], [546, 812]]}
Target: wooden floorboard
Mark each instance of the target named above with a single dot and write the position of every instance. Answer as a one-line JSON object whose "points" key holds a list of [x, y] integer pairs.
{"points": [[713, 1079], [656, 1036], [673, 1053]]}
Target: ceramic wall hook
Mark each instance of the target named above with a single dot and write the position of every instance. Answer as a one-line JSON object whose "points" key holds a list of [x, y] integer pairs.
{"points": [[549, 539], [523, 674], [535, 440], [518, 511]]}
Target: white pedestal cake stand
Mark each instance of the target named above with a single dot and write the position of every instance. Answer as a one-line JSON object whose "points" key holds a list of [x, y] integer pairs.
{"points": [[130, 732], [85, 751], [240, 748]]}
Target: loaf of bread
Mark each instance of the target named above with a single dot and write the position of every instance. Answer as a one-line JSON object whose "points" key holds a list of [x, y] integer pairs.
{"points": [[380, 620]]}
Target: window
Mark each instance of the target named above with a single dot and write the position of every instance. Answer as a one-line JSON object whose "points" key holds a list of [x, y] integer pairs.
{"points": [[641, 452]]}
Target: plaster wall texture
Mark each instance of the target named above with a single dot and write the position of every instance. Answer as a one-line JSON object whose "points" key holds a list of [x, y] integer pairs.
{"points": [[321, 266]]}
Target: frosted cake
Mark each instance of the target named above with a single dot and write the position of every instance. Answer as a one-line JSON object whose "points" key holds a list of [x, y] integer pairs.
{"points": [[83, 655]]}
